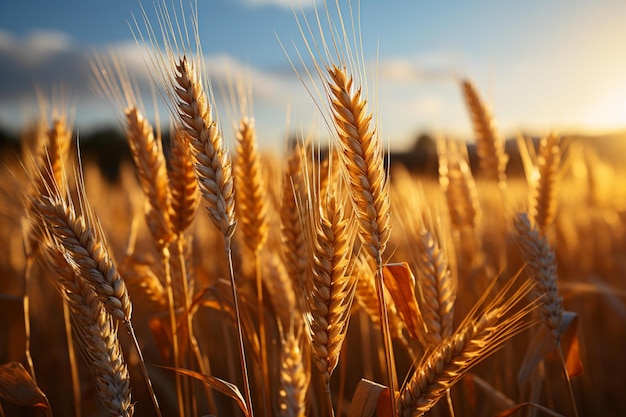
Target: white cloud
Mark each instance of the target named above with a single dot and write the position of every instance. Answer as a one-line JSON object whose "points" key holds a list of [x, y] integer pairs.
{"points": [[425, 67], [39, 46], [63, 65]]}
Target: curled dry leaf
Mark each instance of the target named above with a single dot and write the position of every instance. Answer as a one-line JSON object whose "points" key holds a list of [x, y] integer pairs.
{"points": [[400, 283], [17, 387]]}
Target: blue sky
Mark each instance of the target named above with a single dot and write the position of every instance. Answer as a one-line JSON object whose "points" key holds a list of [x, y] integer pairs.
{"points": [[541, 65]]}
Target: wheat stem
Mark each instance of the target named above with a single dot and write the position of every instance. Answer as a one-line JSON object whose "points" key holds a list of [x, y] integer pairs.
{"points": [[568, 380], [165, 259], [242, 354], [144, 371], [71, 353]]}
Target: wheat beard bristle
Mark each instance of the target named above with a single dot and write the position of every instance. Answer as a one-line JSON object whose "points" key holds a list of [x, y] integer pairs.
{"points": [[213, 165]]}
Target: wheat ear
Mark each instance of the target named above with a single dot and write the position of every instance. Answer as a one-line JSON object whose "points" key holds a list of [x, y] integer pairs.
{"points": [[489, 144], [437, 289], [251, 191], [457, 181], [212, 162], [94, 329], [46, 172], [541, 265], [252, 215], [81, 238], [540, 260], [543, 201], [183, 184], [330, 289], [293, 239], [147, 153], [295, 375], [475, 339]]}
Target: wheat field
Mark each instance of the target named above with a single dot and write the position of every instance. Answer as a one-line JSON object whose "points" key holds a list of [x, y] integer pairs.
{"points": [[214, 278]]}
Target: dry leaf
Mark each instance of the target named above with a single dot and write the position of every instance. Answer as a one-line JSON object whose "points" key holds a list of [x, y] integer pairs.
{"points": [[383, 409], [17, 387], [160, 330], [217, 384], [400, 283], [366, 399], [570, 344], [510, 411]]}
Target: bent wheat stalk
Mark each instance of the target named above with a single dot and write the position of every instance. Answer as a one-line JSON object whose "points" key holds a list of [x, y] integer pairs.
{"points": [[82, 240], [481, 334], [540, 259]]}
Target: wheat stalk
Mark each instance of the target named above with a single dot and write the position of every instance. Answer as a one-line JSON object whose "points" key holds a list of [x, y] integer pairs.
{"points": [[45, 172], [252, 215], [362, 164], [214, 173]]}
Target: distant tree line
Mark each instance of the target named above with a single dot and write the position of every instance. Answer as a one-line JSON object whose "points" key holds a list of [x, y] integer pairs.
{"points": [[107, 148]]}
